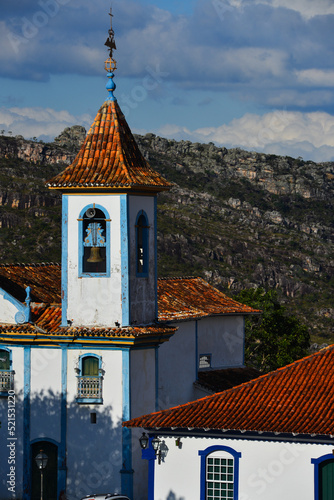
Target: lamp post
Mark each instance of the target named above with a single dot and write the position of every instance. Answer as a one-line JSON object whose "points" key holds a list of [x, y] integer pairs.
{"points": [[41, 460]]}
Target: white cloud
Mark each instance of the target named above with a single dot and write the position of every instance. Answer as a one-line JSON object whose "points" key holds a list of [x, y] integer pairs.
{"points": [[44, 123], [310, 135], [307, 8], [316, 77]]}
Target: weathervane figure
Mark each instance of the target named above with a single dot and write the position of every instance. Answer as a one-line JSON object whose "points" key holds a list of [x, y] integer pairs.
{"points": [[110, 63], [110, 42]]}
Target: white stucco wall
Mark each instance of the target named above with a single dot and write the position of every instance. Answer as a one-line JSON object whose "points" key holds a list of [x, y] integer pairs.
{"points": [[94, 450], [94, 300], [267, 470], [177, 366], [142, 289], [223, 338], [8, 307], [5, 437], [142, 402]]}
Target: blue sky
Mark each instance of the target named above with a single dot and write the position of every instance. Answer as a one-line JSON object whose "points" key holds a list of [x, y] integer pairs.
{"points": [[251, 73]]}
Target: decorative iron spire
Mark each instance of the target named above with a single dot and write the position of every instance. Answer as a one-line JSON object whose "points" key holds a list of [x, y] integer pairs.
{"points": [[110, 63]]}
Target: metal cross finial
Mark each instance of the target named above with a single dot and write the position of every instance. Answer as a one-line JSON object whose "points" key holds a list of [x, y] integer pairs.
{"points": [[110, 40]]}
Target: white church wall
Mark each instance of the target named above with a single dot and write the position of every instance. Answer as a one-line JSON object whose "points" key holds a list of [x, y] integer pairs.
{"points": [[142, 402], [267, 469], [94, 449], [142, 289], [9, 307], [177, 366], [94, 300], [45, 393], [11, 418], [222, 338]]}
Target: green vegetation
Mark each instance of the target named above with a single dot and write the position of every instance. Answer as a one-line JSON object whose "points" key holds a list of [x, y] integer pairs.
{"points": [[274, 338]]}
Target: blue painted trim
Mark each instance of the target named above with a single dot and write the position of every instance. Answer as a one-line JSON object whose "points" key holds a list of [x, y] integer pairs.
{"points": [[125, 264], [23, 311], [64, 261], [127, 471], [81, 359], [157, 378], [317, 462], [7, 349], [81, 273], [196, 350], [149, 454], [204, 453], [5, 394], [89, 355], [89, 400], [146, 254], [155, 235], [62, 469], [26, 423]]}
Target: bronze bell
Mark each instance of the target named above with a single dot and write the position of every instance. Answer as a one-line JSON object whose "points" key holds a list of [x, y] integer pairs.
{"points": [[95, 255]]}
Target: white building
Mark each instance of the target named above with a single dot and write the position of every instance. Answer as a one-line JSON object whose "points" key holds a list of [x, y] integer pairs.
{"points": [[268, 439], [84, 346]]}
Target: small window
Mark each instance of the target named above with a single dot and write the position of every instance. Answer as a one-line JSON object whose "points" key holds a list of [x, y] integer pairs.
{"points": [[324, 477], [219, 473], [205, 361], [90, 379], [142, 228], [219, 478], [94, 241], [6, 374]]}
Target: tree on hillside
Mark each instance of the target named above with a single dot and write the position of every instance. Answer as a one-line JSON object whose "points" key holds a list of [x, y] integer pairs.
{"points": [[273, 339]]}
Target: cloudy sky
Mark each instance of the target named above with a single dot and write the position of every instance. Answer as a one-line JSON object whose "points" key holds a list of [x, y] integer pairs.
{"points": [[252, 73]]}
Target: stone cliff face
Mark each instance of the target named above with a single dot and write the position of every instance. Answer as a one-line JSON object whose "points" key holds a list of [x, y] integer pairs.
{"points": [[238, 219]]}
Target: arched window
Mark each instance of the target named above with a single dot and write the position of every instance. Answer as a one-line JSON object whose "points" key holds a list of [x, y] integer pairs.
{"points": [[94, 240], [6, 373], [219, 473], [142, 228], [324, 477], [90, 379]]}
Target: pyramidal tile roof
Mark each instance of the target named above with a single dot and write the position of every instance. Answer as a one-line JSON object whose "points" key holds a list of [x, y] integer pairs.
{"points": [[295, 399], [109, 158]]}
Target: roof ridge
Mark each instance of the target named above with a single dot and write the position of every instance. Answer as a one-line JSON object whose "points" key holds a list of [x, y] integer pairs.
{"points": [[33, 264]]}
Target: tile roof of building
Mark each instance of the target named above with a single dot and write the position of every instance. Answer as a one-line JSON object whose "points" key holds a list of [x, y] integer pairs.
{"points": [[296, 399], [109, 158], [43, 279], [46, 321], [178, 298], [191, 298]]}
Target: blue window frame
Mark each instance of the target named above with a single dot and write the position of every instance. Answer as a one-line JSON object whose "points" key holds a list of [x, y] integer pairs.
{"points": [[90, 376], [219, 473], [6, 372], [94, 241], [323, 477], [142, 244]]}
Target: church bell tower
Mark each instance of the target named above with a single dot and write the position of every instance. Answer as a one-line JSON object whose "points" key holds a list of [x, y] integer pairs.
{"points": [[109, 206]]}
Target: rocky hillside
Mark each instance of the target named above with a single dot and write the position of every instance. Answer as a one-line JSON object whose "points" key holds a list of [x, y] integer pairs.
{"points": [[238, 219]]}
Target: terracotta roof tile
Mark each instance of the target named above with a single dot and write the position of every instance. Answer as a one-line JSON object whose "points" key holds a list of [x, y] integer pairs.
{"points": [[189, 298], [46, 320], [43, 279], [109, 158], [298, 399]]}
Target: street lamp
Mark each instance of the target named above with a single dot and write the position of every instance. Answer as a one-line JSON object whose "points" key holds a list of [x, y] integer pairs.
{"points": [[41, 460], [143, 440], [156, 445]]}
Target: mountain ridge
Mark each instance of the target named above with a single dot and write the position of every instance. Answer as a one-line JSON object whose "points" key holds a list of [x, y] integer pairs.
{"points": [[239, 219]]}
